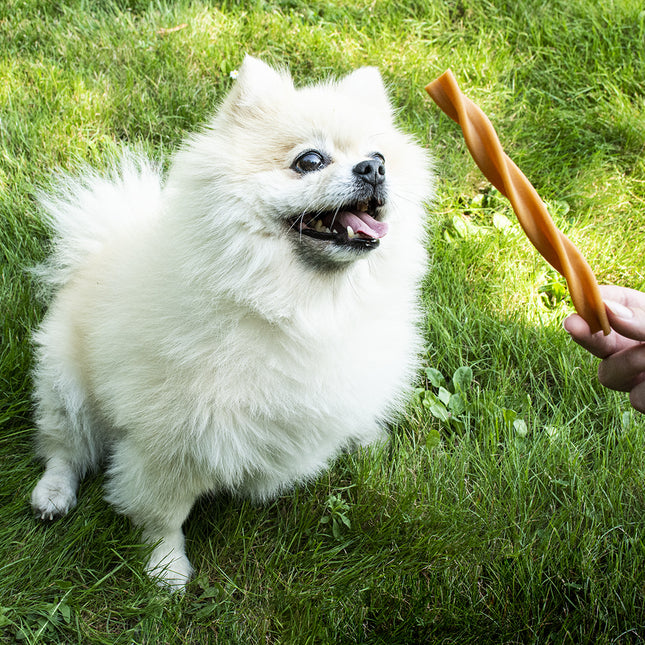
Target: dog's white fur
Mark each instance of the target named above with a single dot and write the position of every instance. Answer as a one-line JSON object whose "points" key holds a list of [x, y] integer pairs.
{"points": [[189, 342]]}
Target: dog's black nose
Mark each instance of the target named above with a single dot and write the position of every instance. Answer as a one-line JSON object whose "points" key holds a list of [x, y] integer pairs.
{"points": [[371, 171]]}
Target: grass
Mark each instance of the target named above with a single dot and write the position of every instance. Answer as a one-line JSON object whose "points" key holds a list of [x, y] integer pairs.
{"points": [[522, 523]]}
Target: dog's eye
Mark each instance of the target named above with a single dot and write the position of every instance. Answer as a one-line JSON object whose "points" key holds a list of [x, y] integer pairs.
{"points": [[310, 161]]}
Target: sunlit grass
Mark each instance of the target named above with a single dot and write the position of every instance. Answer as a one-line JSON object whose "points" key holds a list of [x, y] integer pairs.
{"points": [[456, 533]]}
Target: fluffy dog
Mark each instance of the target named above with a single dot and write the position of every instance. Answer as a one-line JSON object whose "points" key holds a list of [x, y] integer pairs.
{"points": [[238, 324]]}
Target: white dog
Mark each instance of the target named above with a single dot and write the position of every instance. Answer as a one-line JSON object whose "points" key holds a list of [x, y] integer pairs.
{"points": [[238, 325]]}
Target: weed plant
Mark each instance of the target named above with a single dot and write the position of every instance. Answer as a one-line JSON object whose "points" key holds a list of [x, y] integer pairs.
{"points": [[508, 505]]}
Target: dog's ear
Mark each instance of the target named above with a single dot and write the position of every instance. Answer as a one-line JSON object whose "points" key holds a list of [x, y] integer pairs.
{"points": [[256, 81], [366, 84]]}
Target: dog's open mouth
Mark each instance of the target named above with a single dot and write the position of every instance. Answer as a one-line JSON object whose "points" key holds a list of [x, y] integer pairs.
{"points": [[354, 225]]}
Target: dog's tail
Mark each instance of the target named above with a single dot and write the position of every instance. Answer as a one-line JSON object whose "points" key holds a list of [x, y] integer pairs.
{"points": [[84, 211]]}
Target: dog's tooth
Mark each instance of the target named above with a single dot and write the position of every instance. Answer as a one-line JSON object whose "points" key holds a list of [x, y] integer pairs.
{"points": [[350, 232], [362, 207], [319, 226], [326, 229]]}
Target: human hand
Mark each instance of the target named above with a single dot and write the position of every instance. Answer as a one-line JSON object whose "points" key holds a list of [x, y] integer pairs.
{"points": [[622, 367]]}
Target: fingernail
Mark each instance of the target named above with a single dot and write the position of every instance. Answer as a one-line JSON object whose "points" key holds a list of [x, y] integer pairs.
{"points": [[620, 311]]}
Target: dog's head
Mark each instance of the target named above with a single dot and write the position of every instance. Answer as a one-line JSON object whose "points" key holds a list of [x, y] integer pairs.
{"points": [[321, 166]]}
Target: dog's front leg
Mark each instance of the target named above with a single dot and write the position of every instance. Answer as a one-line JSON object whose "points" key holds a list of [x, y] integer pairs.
{"points": [[157, 494]]}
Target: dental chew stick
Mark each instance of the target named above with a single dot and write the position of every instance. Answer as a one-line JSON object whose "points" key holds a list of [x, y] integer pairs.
{"points": [[556, 248]]}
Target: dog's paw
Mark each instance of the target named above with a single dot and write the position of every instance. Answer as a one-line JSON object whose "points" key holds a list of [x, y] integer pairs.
{"points": [[54, 495], [169, 566]]}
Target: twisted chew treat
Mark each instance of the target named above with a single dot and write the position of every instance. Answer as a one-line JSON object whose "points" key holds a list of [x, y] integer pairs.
{"points": [[484, 146]]}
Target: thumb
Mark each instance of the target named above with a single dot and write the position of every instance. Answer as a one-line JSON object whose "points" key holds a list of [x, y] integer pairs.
{"points": [[627, 321]]}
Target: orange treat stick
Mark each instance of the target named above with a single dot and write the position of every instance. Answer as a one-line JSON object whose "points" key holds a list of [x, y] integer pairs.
{"points": [[486, 150]]}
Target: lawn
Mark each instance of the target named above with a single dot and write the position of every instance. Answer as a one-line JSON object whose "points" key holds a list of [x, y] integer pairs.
{"points": [[519, 518]]}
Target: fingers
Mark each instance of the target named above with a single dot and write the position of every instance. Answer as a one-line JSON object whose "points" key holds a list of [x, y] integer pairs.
{"points": [[622, 367], [623, 295], [624, 370], [579, 330], [626, 313], [637, 397], [625, 310], [597, 344]]}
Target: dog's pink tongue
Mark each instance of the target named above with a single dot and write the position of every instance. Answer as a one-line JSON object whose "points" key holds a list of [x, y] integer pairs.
{"points": [[363, 223]]}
